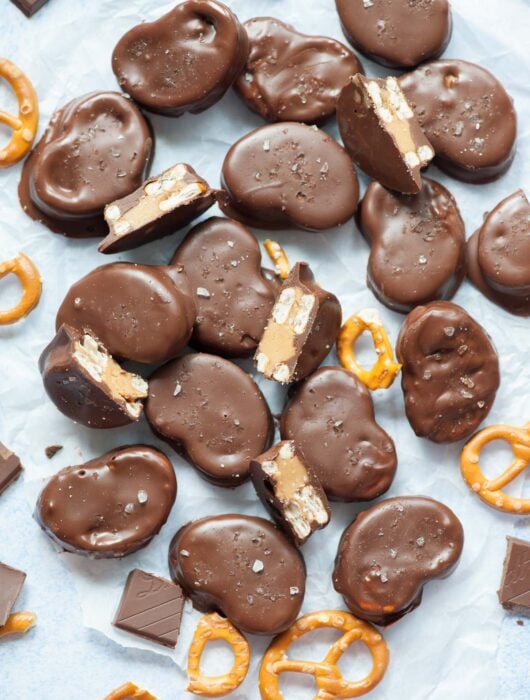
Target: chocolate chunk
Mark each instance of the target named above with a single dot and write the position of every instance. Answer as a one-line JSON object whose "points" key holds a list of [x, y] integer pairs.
{"points": [[499, 255], [110, 506], [87, 384], [151, 607], [143, 313], [468, 117], [212, 412], [183, 62], [291, 76], [52, 450], [234, 296], [381, 133], [391, 551], [417, 245], [10, 468], [160, 207], [331, 419], [289, 174], [397, 33], [450, 371], [29, 7], [514, 593], [302, 329], [242, 567], [95, 149], [290, 491], [11, 582]]}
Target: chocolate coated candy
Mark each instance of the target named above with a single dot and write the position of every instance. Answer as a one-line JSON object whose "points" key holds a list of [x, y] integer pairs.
{"points": [[499, 255], [87, 385], [391, 551], [290, 490], [291, 76], [468, 117], [397, 33], [234, 297], [289, 174], [110, 506], [381, 133], [331, 419], [417, 245], [95, 149], [183, 62], [143, 313], [302, 328], [514, 593], [243, 567], [212, 411], [450, 371], [160, 207]]}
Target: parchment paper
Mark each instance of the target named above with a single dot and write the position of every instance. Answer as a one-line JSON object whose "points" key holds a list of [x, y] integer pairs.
{"points": [[448, 648]]}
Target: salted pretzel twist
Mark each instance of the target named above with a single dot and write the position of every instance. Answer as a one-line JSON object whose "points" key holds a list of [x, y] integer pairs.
{"points": [[328, 677], [24, 125], [490, 490], [29, 277], [210, 628], [279, 257], [18, 623], [130, 690], [385, 369]]}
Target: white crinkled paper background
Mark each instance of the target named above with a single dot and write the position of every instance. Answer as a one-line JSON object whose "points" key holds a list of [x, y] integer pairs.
{"points": [[458, 644]]}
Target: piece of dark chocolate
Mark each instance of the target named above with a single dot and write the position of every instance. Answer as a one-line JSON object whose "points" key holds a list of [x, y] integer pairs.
{"points": [[514, 593], [29, 7], [10, 467], [151, 607], [381, 133], [302, 329], [52, 450], [11, 582]]}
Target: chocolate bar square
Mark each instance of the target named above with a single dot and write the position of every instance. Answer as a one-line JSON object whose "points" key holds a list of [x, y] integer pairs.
{"points": [[11, 582], [514, 593]]}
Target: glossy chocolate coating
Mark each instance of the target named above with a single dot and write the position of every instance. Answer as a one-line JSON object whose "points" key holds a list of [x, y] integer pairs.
{"points": [[137, 311], [468, 117], [498, 260], [95, 149], [450, 371], [391, 551], [243, 567], [213, 412], [110, 506], [183, 62], [397, 33], [331, 419], [289, 174], [291, 76], [234, 298], [417, 245]]}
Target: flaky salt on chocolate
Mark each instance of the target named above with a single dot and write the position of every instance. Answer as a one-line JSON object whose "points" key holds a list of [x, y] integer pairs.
{"points": [[160, 207], [302, 329], [514, 593], [290, 490], [381, 133], [10, 467]]}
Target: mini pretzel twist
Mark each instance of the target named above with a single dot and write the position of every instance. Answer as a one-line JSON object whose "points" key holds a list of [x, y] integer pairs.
{"points": [[213, 627], [25, 124], [279, 257], [129, 691], [490, 490], [328, 677], [18, 623], [385, 369], [29, 277]]}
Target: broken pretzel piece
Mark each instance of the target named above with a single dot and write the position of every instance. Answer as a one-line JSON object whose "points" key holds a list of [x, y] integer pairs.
{"points": [[302, 329], [130, 691], [382, 134], [24, 125], [160, 207], [278, 256], [29, 277], [18, 623], [290, 490]]}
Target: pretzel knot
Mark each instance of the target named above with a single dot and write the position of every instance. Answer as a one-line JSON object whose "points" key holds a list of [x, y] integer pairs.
{"points": [[18, 623], [328, 678], [385, 369], [279, 257], [24, 125], [490, 490], [210, 628], [29, 277]]}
